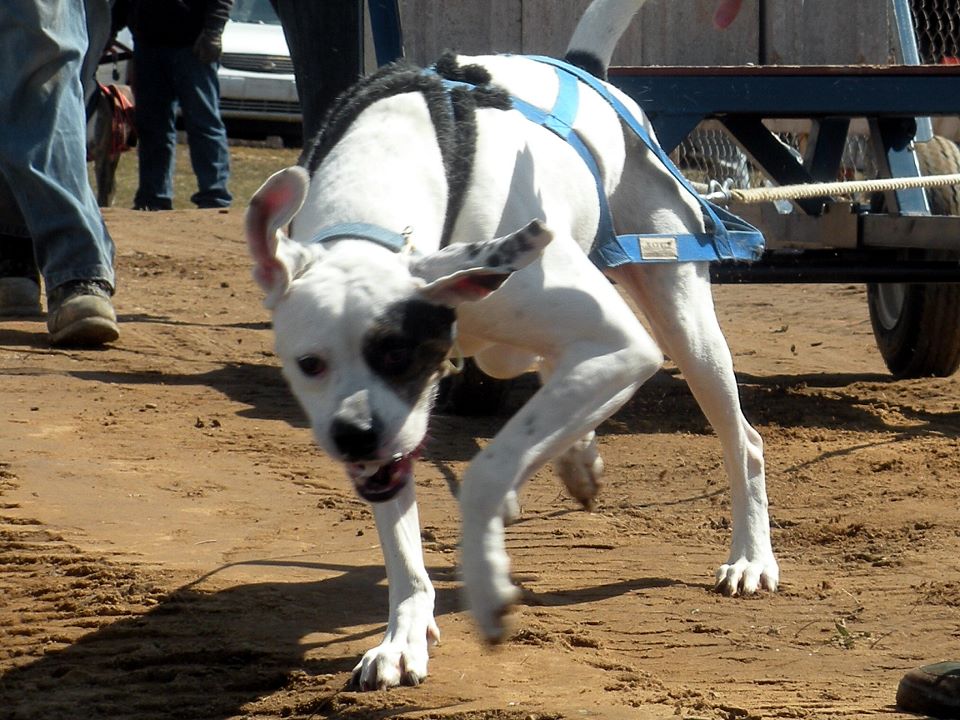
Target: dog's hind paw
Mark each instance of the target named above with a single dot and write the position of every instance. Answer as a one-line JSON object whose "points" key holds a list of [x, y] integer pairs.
{"points": [[746, 577], [580, 468]]}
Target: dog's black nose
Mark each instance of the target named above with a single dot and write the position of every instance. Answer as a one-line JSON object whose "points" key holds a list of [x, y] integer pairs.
{"points": [[356, 440]]}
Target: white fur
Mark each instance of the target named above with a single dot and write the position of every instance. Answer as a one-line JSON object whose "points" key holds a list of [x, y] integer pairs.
{"points": [[556, 309]]}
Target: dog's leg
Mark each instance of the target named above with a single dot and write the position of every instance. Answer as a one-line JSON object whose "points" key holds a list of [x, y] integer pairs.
{"points": [[402, 657], [677, 300], [580, 467], [591, 379], [503, 362]]}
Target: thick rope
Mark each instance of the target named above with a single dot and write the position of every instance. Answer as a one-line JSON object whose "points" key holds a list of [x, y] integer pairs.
{"points": [[814, 190]]}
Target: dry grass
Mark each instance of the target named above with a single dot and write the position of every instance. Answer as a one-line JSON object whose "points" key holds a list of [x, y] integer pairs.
{"points": [[249, 167]]}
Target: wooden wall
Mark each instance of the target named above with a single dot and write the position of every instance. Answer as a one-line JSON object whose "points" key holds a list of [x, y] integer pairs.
{"points": [[666, 32], [829, 32]]}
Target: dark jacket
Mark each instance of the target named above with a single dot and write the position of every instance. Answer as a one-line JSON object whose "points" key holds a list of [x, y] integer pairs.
{"points": [[176, 23]]}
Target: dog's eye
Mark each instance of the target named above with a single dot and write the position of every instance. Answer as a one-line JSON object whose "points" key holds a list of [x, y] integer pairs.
{"points": [[395, 359], [311, 365]]}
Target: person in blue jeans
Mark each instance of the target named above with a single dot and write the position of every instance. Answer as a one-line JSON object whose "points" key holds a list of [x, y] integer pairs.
{"points": [[324, 40], [176, 49], [48, 213]]}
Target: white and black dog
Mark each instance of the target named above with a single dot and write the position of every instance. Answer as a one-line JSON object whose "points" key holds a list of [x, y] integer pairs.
{"points": [[412, 241]]}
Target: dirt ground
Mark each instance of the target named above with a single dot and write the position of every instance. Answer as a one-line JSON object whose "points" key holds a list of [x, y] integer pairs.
{"points": [[173, 546]]}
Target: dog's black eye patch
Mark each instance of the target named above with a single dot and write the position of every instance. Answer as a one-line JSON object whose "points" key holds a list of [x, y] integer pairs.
{"points": [[312, 365], [408, 343], [393, 357]]}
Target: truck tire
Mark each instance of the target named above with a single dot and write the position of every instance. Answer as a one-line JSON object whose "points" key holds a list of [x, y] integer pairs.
{"points": [[917, 326]]}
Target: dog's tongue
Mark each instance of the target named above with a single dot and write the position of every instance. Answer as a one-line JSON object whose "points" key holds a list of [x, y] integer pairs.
{"points": [[385, 482]]}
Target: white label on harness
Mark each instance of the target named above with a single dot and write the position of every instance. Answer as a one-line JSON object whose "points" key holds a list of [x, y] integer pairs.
{"points": [[658, 248]]}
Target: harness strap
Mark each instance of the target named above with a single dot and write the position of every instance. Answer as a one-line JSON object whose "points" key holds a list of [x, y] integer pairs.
{"points": [[727, 237], [560, 121]]}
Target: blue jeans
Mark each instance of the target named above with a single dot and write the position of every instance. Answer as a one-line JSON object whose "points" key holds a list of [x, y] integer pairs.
{"points": [[164, 78], [43, 140]]}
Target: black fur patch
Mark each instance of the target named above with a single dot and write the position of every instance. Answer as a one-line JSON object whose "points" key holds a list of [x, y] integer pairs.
{"points": [[587, 61], [464, 102], [389, 81], [509, 250], [448, 68], [407, 345], [452, 111], [484, 94], [461, 162]]}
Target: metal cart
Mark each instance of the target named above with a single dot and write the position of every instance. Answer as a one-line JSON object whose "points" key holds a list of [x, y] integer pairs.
{"points": [[905, 244]]}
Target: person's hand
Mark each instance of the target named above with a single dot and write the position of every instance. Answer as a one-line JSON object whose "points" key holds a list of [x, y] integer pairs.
{"points": [[726, 13], [208, 47]]}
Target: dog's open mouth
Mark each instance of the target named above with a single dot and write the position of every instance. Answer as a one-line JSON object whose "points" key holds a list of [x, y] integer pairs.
{"points": [[380, 483]]}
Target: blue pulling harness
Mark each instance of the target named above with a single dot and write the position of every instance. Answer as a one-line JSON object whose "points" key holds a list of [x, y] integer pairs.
{"points": [[727, 237]]}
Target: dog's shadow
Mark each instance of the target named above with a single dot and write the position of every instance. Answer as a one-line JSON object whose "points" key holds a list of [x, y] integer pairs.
{"points": [[598, 592], [210, 654], [664, 404], [207, 654]]}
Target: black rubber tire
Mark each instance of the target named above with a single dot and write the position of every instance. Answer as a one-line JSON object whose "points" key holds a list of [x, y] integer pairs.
{"points": [[917, 326]]}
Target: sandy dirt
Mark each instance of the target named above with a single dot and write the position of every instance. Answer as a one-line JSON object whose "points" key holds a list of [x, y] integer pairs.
{"points": [[173, 546]]}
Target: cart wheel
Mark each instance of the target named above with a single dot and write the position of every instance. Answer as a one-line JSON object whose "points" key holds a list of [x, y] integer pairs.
{"points": [[917, 326], [473, 393]]}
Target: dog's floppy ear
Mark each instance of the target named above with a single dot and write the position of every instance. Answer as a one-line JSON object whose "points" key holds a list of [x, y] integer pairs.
{"points": [[276, 258], [471, 271]]}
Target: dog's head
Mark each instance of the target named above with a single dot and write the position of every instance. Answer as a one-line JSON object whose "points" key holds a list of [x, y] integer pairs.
{"points": [[363, 332]]}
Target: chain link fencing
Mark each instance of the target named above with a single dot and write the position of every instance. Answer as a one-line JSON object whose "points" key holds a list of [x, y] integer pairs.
{"points": [[937, 27]]}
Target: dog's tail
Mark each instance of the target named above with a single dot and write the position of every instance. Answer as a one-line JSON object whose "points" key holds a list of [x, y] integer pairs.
{"points": [[598, 33]]}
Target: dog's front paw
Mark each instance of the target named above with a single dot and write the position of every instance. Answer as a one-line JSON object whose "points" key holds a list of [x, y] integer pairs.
{"points": [[745, 575], [486, 579], [396, 661], [580, 468]]}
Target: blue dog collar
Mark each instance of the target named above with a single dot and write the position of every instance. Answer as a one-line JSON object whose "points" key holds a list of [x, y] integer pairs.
{"points": [[397, 242]]}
